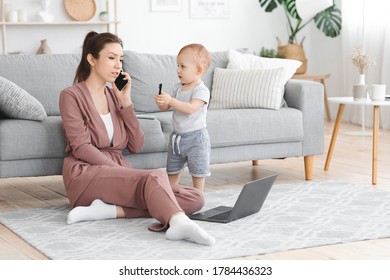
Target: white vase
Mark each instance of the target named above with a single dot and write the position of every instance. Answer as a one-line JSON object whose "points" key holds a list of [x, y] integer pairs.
{"points": [[44, 15], [362, 79]]}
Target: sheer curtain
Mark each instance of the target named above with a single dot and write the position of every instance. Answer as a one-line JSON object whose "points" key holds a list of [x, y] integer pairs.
{"points": [[366, 23]]}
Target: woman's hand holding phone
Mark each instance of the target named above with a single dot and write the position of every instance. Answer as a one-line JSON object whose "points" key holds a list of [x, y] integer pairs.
{"points": [[122, 88], [120, 81]]}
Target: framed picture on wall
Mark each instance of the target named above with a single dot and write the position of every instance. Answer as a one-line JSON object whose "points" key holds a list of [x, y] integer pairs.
{"points": [[209, 8], [165, 5]]}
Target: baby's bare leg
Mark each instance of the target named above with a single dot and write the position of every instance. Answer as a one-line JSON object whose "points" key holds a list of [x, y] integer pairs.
{"points": [[174, 179], [198, 182]]}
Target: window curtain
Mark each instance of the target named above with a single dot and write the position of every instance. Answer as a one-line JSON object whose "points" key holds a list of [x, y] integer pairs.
{"points": [[366, 24]]}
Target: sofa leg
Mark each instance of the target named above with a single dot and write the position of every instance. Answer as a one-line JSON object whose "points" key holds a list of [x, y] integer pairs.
{"points": [[255, 162], [309, 167]]}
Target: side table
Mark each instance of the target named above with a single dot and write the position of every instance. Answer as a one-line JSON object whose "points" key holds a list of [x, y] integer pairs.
{"points": [[342, 101], [318, 78]]}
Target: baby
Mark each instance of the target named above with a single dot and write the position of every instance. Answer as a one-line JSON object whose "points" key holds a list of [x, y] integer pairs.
{"points": [[189, 142]]}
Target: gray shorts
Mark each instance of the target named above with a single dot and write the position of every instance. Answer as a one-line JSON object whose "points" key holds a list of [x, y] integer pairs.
{"points": [[192, 148]]}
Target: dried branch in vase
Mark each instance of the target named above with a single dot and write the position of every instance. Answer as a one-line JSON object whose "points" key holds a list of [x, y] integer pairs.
{"points": [[361, 60]]}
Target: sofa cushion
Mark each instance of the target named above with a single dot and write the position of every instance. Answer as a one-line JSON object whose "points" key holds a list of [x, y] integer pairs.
{"points": [[154, 136], [236, 127], [17, 103], [25, 139], [239, 60], [248, 88], [147, 71], [43, 76], [165, 119], [219, 60]]}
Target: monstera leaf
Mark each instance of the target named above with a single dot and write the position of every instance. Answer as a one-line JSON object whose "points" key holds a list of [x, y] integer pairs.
{"points": [[270, 5], [329, 21], [291, 8]]}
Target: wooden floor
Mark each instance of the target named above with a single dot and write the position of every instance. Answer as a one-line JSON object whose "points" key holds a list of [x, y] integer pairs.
{"points": [[351, 162]]}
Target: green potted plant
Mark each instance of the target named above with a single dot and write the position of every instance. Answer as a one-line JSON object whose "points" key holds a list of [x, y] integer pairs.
{"points": [[299, 13], [270, 53]]}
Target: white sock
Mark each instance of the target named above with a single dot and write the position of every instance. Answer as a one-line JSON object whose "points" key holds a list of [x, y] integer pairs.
{"points": [[181, 227], [98, 210]]}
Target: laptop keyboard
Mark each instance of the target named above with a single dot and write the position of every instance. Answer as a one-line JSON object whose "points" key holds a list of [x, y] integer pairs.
{"points": [[222, 216]]}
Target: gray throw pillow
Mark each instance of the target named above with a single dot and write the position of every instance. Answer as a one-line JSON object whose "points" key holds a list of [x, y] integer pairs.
{"points": [[17, 103]]}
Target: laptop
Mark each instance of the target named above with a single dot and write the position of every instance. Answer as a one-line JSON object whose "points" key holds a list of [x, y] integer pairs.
{"points": [[250, 201]]}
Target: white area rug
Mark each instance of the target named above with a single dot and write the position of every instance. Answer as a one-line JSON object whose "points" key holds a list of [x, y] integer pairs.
{"points": [[294, 216]]}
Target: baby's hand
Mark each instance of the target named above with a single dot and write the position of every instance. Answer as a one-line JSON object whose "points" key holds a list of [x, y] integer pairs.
{"points": [[163, 99]]}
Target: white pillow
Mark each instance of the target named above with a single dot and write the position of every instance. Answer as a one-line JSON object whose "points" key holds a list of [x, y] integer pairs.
{"points": [[17, 103], [239, 60], [248, 88]]}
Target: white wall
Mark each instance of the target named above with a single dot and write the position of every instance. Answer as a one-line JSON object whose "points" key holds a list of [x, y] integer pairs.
{"points": [[165, 32], [326, 56], [154, 32]]}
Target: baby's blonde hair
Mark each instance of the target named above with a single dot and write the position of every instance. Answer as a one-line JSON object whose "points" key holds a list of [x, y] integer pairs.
{"points": [[201, 53]]}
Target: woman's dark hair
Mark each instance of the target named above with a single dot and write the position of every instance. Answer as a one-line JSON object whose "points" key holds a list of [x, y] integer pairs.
{"points": [[93, 43]]}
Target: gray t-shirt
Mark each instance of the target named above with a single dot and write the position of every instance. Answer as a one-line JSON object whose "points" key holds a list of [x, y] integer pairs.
{"points": [[183, 123]]}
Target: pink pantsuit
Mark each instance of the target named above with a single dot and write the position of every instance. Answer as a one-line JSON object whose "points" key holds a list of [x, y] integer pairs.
{"points": [[94, 169]]}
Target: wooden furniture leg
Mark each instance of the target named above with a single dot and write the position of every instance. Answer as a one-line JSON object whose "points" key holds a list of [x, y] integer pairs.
{"points": [[328, 115], [334, 135], [375, 134], [309, 167], [255, 162]]}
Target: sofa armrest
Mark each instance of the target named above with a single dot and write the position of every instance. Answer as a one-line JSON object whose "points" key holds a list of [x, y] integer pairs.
{"points": [[308, 97]]}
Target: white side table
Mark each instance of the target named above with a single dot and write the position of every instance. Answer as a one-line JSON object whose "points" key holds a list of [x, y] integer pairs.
{"points": [[349, 101]]}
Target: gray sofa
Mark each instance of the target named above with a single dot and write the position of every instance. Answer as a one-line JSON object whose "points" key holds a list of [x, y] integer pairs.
{"points": [[36, 148]]}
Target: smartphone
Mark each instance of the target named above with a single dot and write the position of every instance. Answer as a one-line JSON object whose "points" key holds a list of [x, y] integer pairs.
{"points": [[120, 82], [159, 88]]}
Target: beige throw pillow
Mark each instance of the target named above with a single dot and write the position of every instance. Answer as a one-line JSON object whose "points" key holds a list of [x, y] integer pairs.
{"points": [[248, 88]]}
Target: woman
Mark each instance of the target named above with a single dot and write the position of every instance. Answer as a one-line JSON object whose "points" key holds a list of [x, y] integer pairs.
{"points": [[99, 123]]}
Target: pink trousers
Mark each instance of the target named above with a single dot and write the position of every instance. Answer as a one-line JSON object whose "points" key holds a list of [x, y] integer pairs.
{"points": [[141, 193]]}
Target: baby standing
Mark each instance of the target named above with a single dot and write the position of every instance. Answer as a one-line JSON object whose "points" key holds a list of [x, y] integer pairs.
{"points": [[189, 142]]}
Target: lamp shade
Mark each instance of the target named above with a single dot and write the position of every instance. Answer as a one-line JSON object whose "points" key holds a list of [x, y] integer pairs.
{"points": [[309, 8]]}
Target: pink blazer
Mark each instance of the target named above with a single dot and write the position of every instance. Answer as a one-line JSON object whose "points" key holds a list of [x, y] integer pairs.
{"points": [[88, 147]]}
